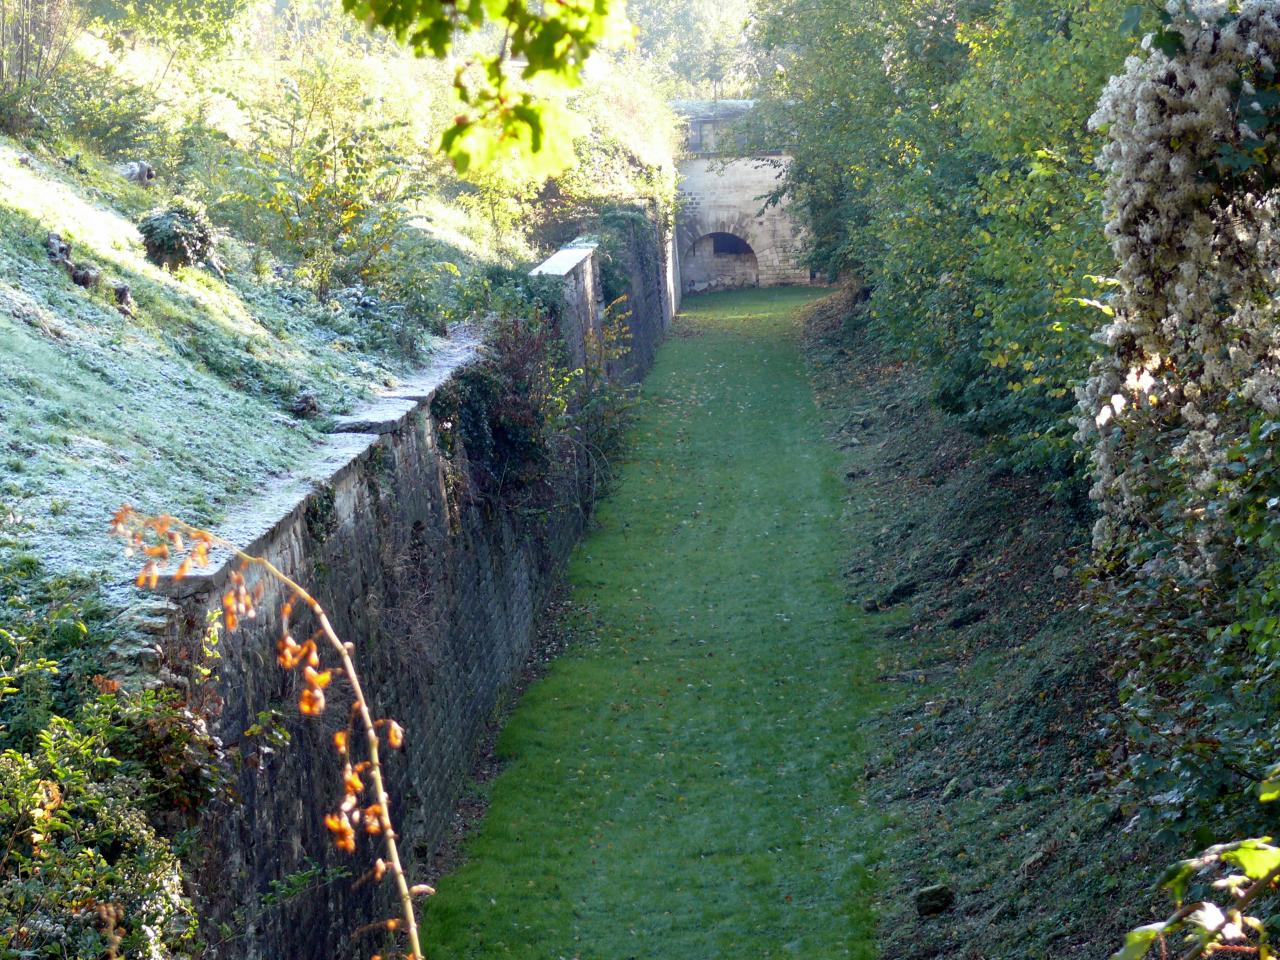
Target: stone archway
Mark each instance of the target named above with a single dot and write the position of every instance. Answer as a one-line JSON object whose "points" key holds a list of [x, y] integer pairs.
{"points": [[719, 261], [727, 196]]}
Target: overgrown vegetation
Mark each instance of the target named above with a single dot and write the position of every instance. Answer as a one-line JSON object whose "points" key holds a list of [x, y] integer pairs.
{"points": [[943, 159], [97, 783], [947, 164], [526, 414], [180, 235]]}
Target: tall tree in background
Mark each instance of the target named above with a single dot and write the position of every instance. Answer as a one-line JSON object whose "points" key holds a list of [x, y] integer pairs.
{"points": [[703, 44], [942, 157]]}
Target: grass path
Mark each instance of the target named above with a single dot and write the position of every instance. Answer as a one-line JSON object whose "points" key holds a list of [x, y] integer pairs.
{"points": [[685, 783]]}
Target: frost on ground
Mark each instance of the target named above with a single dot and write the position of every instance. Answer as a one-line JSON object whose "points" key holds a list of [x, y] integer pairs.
{"points": [[185, 407]]}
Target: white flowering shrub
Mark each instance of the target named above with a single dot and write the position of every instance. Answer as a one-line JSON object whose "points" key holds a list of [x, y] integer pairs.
{"points": [[1180, 415], [1176, 411]]}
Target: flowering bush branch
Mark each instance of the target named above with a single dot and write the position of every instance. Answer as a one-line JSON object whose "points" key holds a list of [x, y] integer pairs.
{"points": [[1179, 415], [165, 540]]}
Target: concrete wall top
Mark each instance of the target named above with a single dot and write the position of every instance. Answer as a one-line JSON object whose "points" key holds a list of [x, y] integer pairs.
{"points": [[565, 260]]}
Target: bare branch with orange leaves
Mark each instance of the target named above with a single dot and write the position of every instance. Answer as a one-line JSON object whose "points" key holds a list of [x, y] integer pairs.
{"points": [[162, 541]]}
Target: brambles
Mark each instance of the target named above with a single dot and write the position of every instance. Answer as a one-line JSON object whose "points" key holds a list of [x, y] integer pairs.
{"points": [[180, 235], [87, 797], [164, 541]]}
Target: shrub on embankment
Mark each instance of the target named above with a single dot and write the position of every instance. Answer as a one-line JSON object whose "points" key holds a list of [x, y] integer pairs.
{"points": [[948, 167]]}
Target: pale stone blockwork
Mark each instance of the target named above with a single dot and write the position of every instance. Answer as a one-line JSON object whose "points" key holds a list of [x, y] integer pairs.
{"points": [[721, 196]]}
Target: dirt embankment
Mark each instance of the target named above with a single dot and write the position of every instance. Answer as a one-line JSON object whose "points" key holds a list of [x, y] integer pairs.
{"points": [[987, 761]]}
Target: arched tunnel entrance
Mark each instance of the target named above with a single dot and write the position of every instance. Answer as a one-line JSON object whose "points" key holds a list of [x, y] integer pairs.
{"points": [[719, 261]]}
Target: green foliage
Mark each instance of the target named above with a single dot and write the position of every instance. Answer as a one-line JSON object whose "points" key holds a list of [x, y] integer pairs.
{"points": [[76, 839], [503, 117], [35, 39], [704, 44], [87, 102], [942, 159], [503, 412], [601, 410], [194, 26], [328, 181], [524, 412], [179, 235], [89, 773]]}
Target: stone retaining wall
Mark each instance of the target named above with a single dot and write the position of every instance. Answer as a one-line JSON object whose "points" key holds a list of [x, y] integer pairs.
{"points": [[438, 591]]}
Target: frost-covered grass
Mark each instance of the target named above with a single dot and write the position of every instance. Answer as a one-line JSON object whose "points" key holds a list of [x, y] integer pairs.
{"points": [[185, 406], [688, 780]]}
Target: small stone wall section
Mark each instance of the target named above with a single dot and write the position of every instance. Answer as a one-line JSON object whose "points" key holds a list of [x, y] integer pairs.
{"points": [[583, 312], [652, 266], [440, 594]]}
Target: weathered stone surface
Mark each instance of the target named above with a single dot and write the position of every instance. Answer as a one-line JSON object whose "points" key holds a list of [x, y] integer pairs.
{"points": [[386, 415], [723, 197], [933, 900]]}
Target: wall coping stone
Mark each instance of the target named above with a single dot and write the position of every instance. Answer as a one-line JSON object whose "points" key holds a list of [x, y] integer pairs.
{"points": [[279, 502], [566, 259]]}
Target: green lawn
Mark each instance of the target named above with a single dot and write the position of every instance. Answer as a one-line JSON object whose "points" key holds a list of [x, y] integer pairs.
{"points": [[685, 783]]}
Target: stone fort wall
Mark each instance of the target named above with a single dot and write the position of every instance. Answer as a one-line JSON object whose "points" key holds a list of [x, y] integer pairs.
{"points": [[728, 196], [439, 591]]}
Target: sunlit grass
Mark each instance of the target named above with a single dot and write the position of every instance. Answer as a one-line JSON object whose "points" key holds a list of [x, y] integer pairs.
{"points": [[687, 781]]}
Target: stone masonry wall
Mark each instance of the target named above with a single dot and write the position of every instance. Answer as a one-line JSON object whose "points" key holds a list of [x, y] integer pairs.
{"points": [[438, 591], [583, 299], [727, 196], [706, 270]]}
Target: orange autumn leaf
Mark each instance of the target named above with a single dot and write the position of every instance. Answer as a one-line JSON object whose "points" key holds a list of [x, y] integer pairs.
{"points": [[395, 735], [352, 781], [344, 835], [105, 684], [340, 741], [311, 703], [291, 654], [317, 679], [119, 518]]}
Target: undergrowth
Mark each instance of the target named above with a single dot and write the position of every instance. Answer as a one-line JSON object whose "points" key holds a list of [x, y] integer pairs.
{"points": [[995, 763], [98, 783]]}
